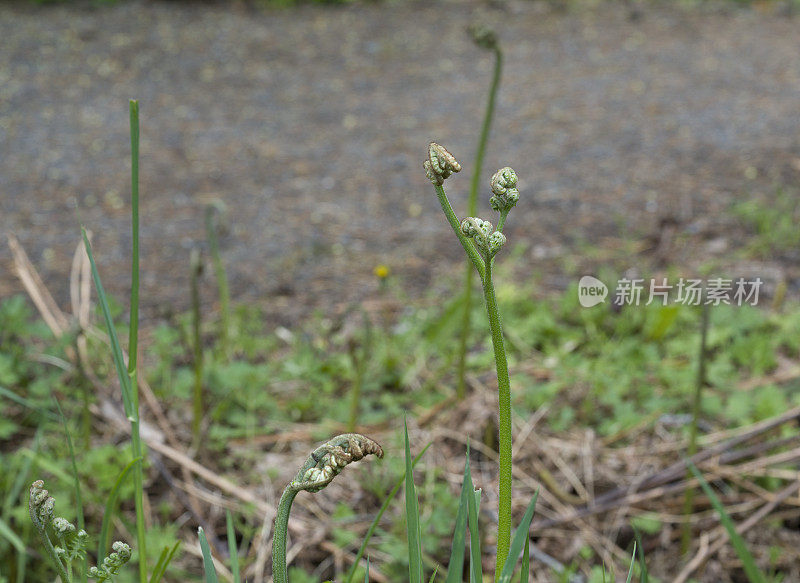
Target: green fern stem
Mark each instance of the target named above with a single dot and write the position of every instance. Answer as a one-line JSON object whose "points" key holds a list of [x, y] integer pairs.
{"points": [[279, 573], [504, 420], [472, 253]]}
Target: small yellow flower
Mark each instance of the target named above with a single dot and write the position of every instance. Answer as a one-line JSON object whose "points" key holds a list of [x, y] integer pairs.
{"points": [[381, 271]]}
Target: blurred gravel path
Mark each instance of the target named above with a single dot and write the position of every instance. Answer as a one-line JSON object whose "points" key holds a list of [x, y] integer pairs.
{"points": [[311, 125]]}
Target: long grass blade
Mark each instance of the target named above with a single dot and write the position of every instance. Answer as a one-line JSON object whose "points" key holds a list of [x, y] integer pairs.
{"points": [[473, 505], [415, 570], [525, 567], [133, 336], [222, 279], [11, 537], [754, 574], [644, 577], [378, 517], [518, 541], [633, 562], [133, 345], [196, 269], [116, 350], [12, 498], [111, 503], [167, 554], [208, 563], [10, 395], [366, 575], [455, 569], [22, 478], [232, 548]]}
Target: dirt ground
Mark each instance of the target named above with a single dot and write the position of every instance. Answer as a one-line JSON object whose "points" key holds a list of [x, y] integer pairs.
{"points": [[310, 125]]}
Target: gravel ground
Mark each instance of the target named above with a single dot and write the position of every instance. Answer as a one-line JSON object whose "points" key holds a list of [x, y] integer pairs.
{"points": [[311, 125]]}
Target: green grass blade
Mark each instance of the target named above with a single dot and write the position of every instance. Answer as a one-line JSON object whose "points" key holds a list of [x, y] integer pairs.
{"points": [[415, 570], [232, 548], [10, 395], [633, 562], [167, 554], [378, 517], [643, 574], [22, 478], [111, 503], [518, 541], [473, 505], [157, 569], [116, 350], [198, 408], [77, 482], [208, 563], [754, 574], [222, 279], [433, 575], [525, 568], [133, 337], [11, 537], [366, 575], [455, 569]]}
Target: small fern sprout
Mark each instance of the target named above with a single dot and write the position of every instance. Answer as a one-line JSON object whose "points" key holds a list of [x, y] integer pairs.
{"points": [[487, 240], [319, 470], [71, 542], [495, 242], [440, 164], [40, 505], [483, 36], [112, 563], [504, 189]]}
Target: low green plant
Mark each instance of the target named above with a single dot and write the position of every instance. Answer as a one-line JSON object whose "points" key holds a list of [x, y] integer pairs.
{"points": [[773, 221], [70, 543]]}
